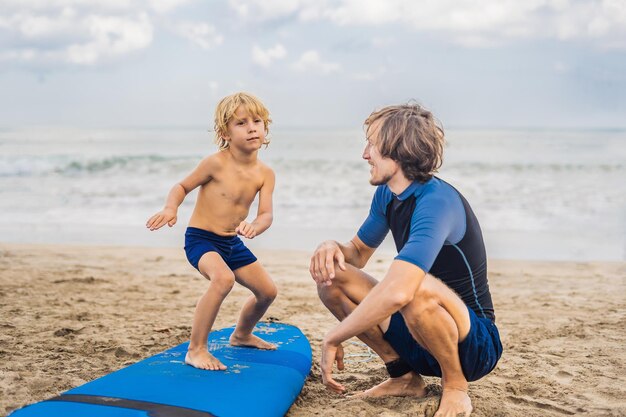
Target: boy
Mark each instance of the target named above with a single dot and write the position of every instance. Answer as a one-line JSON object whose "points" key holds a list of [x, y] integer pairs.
{"points": [[229, 180]]}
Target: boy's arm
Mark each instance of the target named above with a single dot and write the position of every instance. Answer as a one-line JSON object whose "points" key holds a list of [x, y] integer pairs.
{"points": [[265, 214], [200, 175]]}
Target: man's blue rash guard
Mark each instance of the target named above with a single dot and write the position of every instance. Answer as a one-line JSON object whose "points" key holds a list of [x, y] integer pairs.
{"points": [[435, 229]]}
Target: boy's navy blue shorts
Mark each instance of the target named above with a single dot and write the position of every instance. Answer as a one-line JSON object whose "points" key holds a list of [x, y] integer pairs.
{"points": [[230, 248], [479, 352]]}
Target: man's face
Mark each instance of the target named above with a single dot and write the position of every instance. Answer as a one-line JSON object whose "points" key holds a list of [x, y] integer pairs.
{"points": [[382, 169]]}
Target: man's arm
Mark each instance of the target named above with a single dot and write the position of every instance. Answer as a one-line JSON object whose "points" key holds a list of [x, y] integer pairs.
{"points": [[264, 216], [395, 291], [354, 252]]}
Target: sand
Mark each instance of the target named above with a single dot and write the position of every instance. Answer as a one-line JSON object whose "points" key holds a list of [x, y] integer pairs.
{"points": [[70, 314]]}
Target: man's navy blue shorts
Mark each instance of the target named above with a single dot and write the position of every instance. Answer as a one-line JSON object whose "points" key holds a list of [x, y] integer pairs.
{"points": [[479, 352], [230, 248]]}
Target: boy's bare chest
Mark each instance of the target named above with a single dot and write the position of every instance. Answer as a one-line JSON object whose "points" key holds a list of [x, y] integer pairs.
{"points": [[236, 186]]}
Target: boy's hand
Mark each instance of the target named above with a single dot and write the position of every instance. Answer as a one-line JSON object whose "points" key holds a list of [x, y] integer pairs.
{"points": [[163, 217], [246, 230]]}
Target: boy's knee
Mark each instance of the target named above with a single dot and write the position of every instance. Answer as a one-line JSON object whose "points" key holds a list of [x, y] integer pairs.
{"points": [[223, 280], [269, 295]]}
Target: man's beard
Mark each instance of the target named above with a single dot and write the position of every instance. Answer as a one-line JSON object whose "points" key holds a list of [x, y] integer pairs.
{"points": [[382, 181]]}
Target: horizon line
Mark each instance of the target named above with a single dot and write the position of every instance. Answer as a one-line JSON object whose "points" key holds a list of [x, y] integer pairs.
{"points": [[301, 127]]}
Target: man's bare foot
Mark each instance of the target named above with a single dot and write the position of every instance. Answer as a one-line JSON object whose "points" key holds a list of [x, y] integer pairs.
{"points": [[202, 359], [454, 403], [251, 341], [409, 385]]}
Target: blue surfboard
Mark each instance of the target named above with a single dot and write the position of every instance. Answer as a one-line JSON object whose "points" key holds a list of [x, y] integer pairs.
{"points": [[256, 383]]}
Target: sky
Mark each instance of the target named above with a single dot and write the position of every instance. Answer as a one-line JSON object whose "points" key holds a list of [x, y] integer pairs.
{"points": [[315, 63]]}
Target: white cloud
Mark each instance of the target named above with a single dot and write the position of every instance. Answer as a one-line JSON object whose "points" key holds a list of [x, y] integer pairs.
{"points": [[54, 5], [264, 58], [272, 9], [161, 6], [202, 34], [86, 32], [468, 22], [74, 38], [165, 6], [311, 61], [32, 26], [111, 36]]}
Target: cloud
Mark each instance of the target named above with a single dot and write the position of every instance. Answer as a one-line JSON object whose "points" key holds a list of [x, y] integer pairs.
{"points": [[44, 6], [202, 34], [87, 32], [471, 22], [311, 61], [111, 36], [166, 6], [264, 58], [270, 9], [161, 6], [73, 38]]}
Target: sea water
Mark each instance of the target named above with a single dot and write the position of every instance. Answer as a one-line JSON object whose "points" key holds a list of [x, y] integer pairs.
{"points": [[538, 194]]}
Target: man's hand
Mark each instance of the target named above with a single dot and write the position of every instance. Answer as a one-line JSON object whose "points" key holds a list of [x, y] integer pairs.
{"points": [[330, 354], [246, 230], [322, 266], [166, 216]]}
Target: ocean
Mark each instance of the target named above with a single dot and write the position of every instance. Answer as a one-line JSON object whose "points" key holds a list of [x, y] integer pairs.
{"points": [[538, 194]]}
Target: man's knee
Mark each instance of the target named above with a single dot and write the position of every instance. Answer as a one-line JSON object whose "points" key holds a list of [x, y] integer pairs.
{"points": [[326, 292], [337, 281], [329, 293]]}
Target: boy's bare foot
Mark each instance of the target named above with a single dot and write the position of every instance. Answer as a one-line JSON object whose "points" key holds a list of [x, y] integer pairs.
{"points": [[409, 385], [454, 403], [202, 359], [251, 341]]}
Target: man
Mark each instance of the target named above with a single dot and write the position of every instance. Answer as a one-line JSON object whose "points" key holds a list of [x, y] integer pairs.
{"points": [[432, 313]]}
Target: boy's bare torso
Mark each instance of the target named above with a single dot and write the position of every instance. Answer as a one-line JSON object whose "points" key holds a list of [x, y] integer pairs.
{"points": [[225, 199]]}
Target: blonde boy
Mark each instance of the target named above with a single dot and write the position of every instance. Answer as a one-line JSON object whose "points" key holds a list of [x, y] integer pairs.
{"points": [[229, 180]]}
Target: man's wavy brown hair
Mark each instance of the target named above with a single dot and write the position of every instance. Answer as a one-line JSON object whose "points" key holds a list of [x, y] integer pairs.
{"points": [[411, 136]]}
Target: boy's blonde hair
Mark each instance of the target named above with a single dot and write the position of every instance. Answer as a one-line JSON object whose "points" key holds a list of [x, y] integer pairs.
{"points": [[226, 109]]}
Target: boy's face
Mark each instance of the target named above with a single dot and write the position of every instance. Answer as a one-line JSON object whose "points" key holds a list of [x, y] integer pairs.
{"points": [[245, 131]]}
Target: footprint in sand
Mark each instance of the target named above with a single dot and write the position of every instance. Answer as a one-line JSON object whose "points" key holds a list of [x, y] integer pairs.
{"points": [[564, 377]]}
